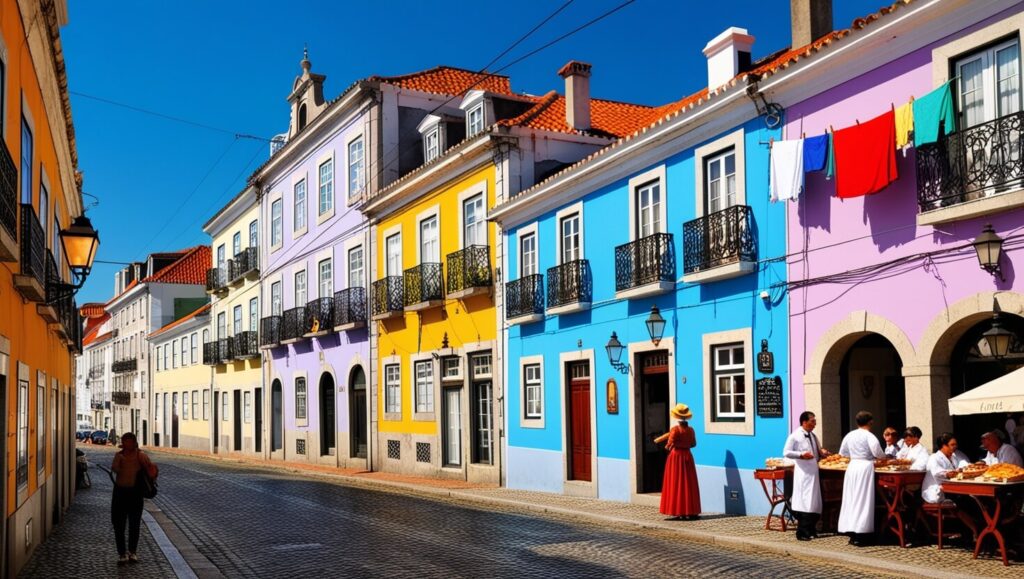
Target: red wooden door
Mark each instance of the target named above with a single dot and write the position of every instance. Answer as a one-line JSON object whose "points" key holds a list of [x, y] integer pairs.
{"points": [[579, 411]]}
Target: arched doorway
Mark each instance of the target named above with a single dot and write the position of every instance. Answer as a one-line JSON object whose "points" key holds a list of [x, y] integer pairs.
{"points": [[327, 415], [870, 378], [276, 417], [357, 412], [971, 365]]}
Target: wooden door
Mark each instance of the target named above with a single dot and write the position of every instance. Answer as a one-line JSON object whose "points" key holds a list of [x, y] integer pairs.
{"points": [[579, 421]]}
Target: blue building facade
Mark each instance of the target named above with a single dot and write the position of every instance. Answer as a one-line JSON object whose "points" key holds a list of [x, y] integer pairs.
{"points": [[679, 218]]}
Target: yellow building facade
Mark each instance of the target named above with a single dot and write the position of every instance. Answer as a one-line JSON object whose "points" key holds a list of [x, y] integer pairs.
{"points": [[39, 193], [232, 346], [182, 384]]}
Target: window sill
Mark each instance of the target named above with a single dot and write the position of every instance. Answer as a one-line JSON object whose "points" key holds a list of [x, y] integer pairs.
{"points": [[532, 423], [393, 416], [722, 272], [740, 427], [8, 247], [297, 233], [424, 417], [469, 292], [424, 305], [527, 319], [994, 203], [325, 216], [646, 290], [349, 326], [569, 308]]}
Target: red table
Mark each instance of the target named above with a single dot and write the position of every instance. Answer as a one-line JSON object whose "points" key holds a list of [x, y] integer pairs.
{"points": [[893, 486], [774, 482], [995, 495]]}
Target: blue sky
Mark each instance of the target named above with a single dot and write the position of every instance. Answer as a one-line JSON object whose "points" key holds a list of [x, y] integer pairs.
{"points": [[230, 64]]}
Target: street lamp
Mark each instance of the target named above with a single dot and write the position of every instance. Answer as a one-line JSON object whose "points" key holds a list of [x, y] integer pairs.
{"points": [[79, 242], [998, 339], [989, 247], [614, 348], [655, 325]]}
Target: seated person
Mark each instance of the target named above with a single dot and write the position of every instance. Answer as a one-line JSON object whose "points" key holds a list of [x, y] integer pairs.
{"points": [[940, 468], [999, 452], [893, 444], [913, 450]]}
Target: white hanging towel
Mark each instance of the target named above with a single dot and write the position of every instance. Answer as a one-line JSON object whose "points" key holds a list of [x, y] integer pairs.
{"points": [[787, 169]]}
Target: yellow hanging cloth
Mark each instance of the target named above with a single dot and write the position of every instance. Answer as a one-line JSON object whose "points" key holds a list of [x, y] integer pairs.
{"points": [[904, 125]]}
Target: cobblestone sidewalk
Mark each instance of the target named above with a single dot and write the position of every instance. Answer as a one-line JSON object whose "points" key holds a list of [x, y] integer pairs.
{"points": [[83, 546]]}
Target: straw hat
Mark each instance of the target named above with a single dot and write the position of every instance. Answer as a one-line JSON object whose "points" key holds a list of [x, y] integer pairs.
{"points": [[681, 412]]}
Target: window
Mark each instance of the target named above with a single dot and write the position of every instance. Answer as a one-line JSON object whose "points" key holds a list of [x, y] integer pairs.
{"points": [[44, 209], [57, 251], [247, 407], [275, 223], [431, 146], [392, 389], [254, 234], [482, 366], [184, 351], [195, 348], [430, 247], [275, 298], [3, 93], [528, 255], [728, 381], [300, 206], [195, 405], [184, 406], [570, 226], [355, 168], [206, 404], [451, 368], [254, 313], [237, 320], [41, 422], [22, 432], [300, 288], [222, 326], [483, 420], [326, 278], [157, 358], [224, 406], [206, 336], [648, 209], [326, 186], [300, 398], [424, 386], [236, 243], [720, 188], [220, 256], [26, 163], [355, 267], [174, 354], [394, 254], [165, 356], [989, 83], [475, 225], [475, 120], [532, 391]]}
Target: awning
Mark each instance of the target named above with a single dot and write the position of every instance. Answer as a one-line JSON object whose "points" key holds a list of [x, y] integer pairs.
{"points": [[1004, 394]]}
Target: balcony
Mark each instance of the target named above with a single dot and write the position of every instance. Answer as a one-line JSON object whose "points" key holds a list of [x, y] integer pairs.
{"points": [[121, 398], [48, 309], [524, 300], [424, 287], [270, 332], [217, 279], [244, 345], [388, 297], [225, 350], [211, 353], [244, 264], [349, 309], [469, 272], [97, 404], [569, 287], [719, 246], [292, 325], [645, 267], [973, 172], [319, 318], [126, 365], [31, 282], [8, 205], [68, 320], [95, 372]]}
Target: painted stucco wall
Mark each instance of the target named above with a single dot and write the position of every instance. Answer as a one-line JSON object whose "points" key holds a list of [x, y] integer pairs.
{"points": [[188, 376]]}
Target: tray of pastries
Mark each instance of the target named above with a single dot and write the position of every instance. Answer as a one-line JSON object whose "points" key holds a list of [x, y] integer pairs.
{"points": [[1003, 472], [834, 462], [774, 463], [893, 464], [972, 471]]}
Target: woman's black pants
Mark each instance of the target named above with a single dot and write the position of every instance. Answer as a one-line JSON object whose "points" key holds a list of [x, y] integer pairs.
{"points": [[126, 508]]}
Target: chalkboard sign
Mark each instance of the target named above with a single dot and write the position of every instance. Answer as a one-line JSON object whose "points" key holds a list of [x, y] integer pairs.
{"points": [[769, 397]]}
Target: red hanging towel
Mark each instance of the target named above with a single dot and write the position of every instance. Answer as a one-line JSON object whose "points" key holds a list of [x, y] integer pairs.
{"points": [[866, 156]]}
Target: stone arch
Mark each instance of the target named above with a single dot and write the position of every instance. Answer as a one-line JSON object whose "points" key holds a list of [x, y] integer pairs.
{"points": [[941, 335]]}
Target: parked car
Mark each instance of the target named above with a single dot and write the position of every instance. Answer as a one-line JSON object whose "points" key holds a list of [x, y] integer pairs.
{"points": [[83, 435], [99, 437]]}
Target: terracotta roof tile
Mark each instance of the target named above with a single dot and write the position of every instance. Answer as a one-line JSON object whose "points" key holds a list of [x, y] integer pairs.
{"points": [[202, 310], [93, 337], [449, 80], [93, 323], [189, 269], [92, 310], [607, 118]]}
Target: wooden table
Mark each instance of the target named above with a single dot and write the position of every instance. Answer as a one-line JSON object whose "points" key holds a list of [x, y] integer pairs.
{"points": [[893, 486], [990, 496], [776, 484]]}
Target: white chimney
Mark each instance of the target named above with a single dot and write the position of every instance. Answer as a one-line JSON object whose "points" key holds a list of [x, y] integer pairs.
{"points": [[728, 54], [577, 94]]}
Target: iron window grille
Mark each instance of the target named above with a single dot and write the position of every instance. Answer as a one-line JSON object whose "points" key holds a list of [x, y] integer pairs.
{"points": [[647, 260], [569, 283], [469, 268], [350, 306], [721, 238], [388, 295], [395, 449], [423, 283], [423, 452]]}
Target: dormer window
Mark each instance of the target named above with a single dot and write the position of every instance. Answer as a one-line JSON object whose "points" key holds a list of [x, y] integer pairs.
{"points": [[431, 145], [475, 120]]}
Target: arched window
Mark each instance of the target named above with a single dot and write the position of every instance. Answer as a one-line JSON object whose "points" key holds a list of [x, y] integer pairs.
{"points": [[302, 116]]}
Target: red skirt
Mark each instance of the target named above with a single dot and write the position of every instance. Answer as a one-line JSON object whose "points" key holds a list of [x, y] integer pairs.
{"points": [[680, 495]]}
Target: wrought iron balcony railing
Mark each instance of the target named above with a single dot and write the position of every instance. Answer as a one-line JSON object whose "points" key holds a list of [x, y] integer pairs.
{"points": [[245, 345], [569, 283], [524, 296], [216, 278], [95, 371], [211, 353], [292, 323], [225, 350], [8, 192], [244, 262], [33, 247], [973, 163], [388, 295], [270, 331], [121, 398], [125, 365], [350, 307], [721, 238], [319, 316], [423, 283], [647, 260], [469, 268]]}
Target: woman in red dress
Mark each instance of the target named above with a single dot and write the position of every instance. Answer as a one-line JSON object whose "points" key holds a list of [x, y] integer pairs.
{"points": [[680, 495]]}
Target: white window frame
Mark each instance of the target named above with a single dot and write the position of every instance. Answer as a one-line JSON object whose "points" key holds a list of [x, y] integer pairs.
{"points": [[576, 208], [254, 315], [733, 140], [206, 404], [392, 375], [276, 223], [325, 188], [531, 382], [224, 402], [194, 343], [184, 351], [472, 130], [301, 401], [158, 351], [276, 302], [349, 270], [457, 376], [247, 406], [236, 320], [174, 353], [184, 405], [427, 216], [195, 405], [254, 233], [236, 243], [325, 286], [713, 424], [356, 169], [423, 386], [657, 175], [296, 276], [522, 234], [300, 228], [432, 144], [394, 232]]}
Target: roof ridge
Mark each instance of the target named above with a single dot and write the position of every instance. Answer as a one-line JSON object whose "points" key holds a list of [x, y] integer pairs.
{"points": [[529, 114], [434, 69]]}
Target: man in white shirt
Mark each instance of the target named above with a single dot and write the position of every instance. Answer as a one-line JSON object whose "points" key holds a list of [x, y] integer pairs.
{"points": [[857, 513], [999, 452], [913, 450], [804, 449], [893, 443]]}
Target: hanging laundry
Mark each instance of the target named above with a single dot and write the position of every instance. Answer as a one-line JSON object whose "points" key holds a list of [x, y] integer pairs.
{"points": [[815, 153], [904, 125], [830, 166], [930, 111], [866, 156], [786, 174]]}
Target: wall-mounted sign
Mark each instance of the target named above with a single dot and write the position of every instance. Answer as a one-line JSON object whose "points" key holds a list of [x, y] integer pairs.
{"points": [[612, 396], [765, 359], [769, 397]]}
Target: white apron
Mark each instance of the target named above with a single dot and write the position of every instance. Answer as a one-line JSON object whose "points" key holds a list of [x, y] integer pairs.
{"points": [[857, 513], [806, 488]]}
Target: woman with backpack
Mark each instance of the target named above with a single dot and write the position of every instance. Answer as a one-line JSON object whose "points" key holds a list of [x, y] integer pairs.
{"points": [[133, 473]]}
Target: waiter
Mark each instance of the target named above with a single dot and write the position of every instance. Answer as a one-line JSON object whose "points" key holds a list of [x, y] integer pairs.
{"points": [[857, 513], [804, 448]]}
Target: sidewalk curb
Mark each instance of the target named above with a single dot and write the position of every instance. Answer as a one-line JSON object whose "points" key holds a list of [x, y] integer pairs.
{"points": [[862, 562], [197, 563]]}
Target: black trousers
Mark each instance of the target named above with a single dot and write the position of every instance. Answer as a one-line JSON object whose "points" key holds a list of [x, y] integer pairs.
{"points": [[126, 509], [807, 523]]}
